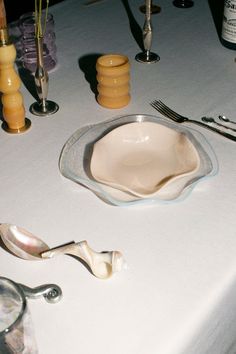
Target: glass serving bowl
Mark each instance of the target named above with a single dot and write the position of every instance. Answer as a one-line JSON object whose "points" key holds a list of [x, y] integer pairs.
{"points": [[75, 162]]}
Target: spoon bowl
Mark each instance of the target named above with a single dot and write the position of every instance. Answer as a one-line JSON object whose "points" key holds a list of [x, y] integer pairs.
{"points": [[212, 120], [225, 119], [22, 243]]}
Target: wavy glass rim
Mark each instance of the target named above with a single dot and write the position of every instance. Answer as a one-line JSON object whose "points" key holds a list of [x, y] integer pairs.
{"points": [[86, 136]]}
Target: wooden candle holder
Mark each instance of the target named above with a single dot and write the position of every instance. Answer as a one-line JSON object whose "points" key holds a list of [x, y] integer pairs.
{"points": [[12, 100]]}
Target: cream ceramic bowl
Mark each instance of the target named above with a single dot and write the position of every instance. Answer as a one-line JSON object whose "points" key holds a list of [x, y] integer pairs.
{"points": [[75, 160], [142, 157]]}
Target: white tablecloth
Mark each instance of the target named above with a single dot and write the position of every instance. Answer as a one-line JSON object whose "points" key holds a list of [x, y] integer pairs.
{"points": [[178, 294]]}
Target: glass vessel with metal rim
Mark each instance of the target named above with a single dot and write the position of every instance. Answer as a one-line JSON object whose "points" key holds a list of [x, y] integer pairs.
{"points": [[16, 327]]}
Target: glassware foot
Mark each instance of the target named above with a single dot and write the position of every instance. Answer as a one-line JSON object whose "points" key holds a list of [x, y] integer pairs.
{"points": [[183, 3], [38, 109], [147, 57]]}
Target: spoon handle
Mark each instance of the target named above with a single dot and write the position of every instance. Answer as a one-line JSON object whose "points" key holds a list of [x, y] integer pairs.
{"points": [[63, 249], [102, 264], [224, 126], [80, 250]]}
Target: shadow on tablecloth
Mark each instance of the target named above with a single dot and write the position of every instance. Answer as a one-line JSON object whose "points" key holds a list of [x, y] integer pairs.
{"points": [[87, 64], [136, 30]]}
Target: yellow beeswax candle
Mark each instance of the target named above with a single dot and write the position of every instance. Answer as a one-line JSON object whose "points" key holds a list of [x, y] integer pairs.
{"points": [[113, 80]]}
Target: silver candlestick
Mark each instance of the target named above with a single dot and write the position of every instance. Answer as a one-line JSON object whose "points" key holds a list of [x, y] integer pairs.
{"points": [[155, 9], [147, 56], [44, 107]]}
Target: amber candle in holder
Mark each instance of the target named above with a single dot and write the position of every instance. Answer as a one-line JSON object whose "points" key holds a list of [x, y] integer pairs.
{"points": [[113, 80], [12, 100]]}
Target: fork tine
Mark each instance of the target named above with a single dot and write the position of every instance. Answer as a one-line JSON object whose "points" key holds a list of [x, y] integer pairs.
{"points": [[159, 108], [168, 110], [157, 105], [162, 108]]}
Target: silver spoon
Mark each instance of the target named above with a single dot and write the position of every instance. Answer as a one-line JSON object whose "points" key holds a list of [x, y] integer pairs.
{"points": [[225, 119], [27, 246], [212, 120]]}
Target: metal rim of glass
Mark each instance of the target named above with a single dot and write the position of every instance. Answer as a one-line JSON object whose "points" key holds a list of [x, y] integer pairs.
{"points": [[23, 305]]}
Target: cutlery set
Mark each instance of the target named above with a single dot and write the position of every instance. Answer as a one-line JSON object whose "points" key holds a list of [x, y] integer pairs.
{"points": [[206, 122]]}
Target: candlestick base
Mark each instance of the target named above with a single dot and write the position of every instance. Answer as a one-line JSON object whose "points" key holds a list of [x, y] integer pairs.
{"points": [[184, 4], [38, 109], [155, 9], [147, 57], [6, 128]]}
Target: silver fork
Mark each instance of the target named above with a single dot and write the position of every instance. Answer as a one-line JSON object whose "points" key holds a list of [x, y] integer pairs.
{"points": [[169, 113]]}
